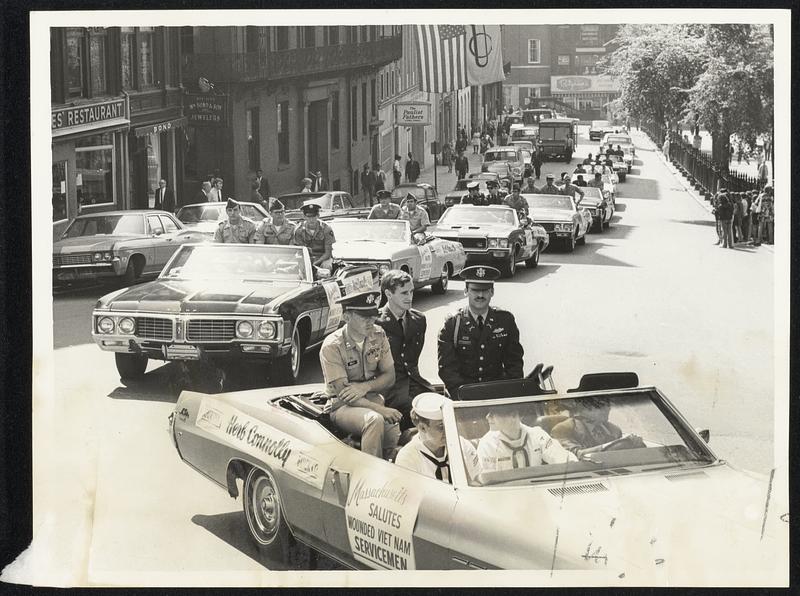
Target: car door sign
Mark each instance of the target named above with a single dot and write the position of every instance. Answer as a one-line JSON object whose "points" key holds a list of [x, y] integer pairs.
{"points": [[381, 512], [528, 237], [360, 282], [426, 259]]}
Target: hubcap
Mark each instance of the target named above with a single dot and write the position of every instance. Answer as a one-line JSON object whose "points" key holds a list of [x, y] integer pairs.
{"points": [[266, 509], [445, 277], [295, 353]]}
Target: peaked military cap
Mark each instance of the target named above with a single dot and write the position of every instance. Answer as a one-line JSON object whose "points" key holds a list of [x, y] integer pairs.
{"points": [[310, 209], [232, 204], [364, 303], [480, 274], [471, 185], [384, 194]]}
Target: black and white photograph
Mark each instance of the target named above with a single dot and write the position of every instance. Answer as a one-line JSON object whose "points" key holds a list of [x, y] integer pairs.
{"points": [[465, 297]]}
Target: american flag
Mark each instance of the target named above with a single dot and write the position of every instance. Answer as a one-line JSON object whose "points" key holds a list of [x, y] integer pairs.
{"points": [[442, 57]]}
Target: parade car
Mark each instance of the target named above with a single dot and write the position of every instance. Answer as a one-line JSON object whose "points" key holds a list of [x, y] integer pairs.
{"points": [[626, 144], [654, 506], [599, 128], [620, 166], [389, 244], [427, 197], [609, 189], [123, 245], [329, 201], [601, 209], [206, 217], [561, 217], [218, 302], [494, 235]]}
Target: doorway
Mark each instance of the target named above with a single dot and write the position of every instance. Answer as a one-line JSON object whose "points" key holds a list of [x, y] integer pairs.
{"points": [[318, 137]]}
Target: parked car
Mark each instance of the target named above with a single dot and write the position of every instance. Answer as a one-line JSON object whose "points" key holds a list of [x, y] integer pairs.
{"points": [[426, 194], [645, 508], [526, 133], [123, 245], [206, 217], [460, 191], [329, 201], [561, 218], [493, 235], [494, 160], [601, 208], [220, 302], [388, 244]]}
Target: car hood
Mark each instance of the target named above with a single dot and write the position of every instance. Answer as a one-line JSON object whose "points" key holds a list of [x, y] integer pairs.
{"points": [[367, 250], [89, 243], [544, 214], [204, 296], [693, 526], [470, 230], [590, 202]]}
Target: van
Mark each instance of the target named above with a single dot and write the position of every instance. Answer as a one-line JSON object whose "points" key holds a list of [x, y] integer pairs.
{"points": [[557, 138]]}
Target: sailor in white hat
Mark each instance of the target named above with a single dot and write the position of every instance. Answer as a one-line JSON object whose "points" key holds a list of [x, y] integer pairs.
{"points": [[426, 453]]}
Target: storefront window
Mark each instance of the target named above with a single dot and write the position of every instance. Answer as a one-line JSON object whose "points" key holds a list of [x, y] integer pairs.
{"points": [[94, 175], [153, 166], [146, 57], [97, 59], [60, 191], [75, 62], [128, 41]]}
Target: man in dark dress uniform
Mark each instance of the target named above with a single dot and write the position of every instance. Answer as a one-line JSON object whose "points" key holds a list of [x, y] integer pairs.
{"points": [[479, 342], [405, 329], [588, 430], [474, 197]]}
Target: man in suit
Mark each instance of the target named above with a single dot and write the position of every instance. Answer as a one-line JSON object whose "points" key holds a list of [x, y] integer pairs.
{"points": [[588, 430], [202, 194], [165, 198], [263, 183], [405, 329], [479, 342]]}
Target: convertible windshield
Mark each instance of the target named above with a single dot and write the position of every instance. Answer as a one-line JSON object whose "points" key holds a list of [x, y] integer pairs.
{"points": [[399, 193], [548, 202], [471, 216], [197, 213], [237, 262], [111, 225], [519, 440], [374, 229]]}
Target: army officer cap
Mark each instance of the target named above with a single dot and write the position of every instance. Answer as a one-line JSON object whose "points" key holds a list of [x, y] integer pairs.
{"points": [[363, 303], [480, 275], [310, 209]]}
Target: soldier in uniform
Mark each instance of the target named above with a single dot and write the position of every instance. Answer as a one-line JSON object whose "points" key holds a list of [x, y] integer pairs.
{"points": [[417, 216], [405, 329], [426, 453], [315, 235], [517, 201], [357, 366], [237, 229], [479, 342], [474, 197], [277, 229], [385, 209], [494, 198], [598, 181], [550, 188]]}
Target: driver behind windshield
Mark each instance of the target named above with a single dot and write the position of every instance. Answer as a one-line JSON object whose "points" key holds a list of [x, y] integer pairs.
{"points": [[509, 444], [588, 430]]}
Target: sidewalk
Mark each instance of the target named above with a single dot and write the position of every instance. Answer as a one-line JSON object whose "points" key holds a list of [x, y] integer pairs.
{"points": [[446, 181]]}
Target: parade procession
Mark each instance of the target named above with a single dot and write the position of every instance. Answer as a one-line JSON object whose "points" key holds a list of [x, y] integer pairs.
{"points": [[414, 297]]}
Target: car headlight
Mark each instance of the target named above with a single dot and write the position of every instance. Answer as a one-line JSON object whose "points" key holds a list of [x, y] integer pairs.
{"points": [[266, 329], [126, 325], [244, 329], [108, 255], [492, 242], [502, 242], [98, 256], [105, 325], [383, 268], [567, 227]]}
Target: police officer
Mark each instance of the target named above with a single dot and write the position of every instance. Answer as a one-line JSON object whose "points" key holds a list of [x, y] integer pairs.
{"points": [[315, 235], [405, 328], [479, 342], [494, 198], [426, 453], [275, 230], [517, 201], [236, 229], [550, 188], [385, 209], [474, 197], [357, 366]]}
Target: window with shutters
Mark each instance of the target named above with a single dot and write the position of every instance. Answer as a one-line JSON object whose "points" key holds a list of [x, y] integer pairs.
{"points": [[534, 51]]}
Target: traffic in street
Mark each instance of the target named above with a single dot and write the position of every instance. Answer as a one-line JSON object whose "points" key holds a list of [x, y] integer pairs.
{"points": [[649, 294]]}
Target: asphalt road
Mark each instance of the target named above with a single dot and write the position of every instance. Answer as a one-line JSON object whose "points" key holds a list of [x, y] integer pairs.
{"points": [[653, 295]]}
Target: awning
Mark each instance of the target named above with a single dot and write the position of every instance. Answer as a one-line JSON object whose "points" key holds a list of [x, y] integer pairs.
{"points": [[108, 126], [142, 131]]}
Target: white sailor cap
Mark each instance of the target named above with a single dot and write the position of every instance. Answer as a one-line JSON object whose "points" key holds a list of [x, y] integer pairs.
{"points": [[429, 405]]}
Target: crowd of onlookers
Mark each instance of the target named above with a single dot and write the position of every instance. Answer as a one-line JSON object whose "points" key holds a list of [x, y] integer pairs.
{"points": [[745, 217]]}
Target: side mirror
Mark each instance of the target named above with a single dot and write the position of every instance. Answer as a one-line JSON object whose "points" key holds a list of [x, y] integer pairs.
{"points": [[704, 433]]}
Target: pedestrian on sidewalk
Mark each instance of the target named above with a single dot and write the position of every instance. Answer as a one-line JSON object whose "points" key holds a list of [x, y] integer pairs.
{"points": [[736, 198], [412, 169], [380, 178], [367, 185], [724, 217], [306, 185], [766, 216], [462, 166], [447, 156], [665, 147], [476, 141], [397, 173], [716, 202]]}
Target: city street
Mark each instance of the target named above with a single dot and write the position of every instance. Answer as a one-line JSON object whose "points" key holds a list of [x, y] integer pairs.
{"points": [[652, 294]]}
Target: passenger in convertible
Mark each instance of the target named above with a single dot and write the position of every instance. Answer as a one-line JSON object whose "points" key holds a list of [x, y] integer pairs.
{"points": [[510, 444], [588, 430], [426, 453]]}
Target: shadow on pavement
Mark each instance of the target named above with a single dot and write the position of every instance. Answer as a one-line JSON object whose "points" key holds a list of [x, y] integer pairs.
{"points": [[697, 222], [619, 207], [616, 231], [232, 529], [641, 189], [589, 254]]}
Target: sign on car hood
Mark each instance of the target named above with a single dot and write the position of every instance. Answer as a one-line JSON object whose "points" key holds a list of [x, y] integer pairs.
{"points": [[204, 296]]}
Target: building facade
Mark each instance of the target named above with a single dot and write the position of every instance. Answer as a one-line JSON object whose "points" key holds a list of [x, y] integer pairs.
{"points": [[527, 48], [116, 116], [286, 100]]}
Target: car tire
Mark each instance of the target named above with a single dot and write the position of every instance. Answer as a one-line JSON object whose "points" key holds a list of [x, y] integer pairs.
{"points": [[533, 261], [599, 227], [130, 366], [132, 272], [570, 244], [622, 177], [263, 511], [509, 268], [440, 286], [286, 369], [581, 240]]}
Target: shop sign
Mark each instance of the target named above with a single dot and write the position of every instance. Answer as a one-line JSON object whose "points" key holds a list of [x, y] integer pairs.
{"points": [[143, 131], [89, 116], [206, 109], [583, 84], [412, 113]]}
